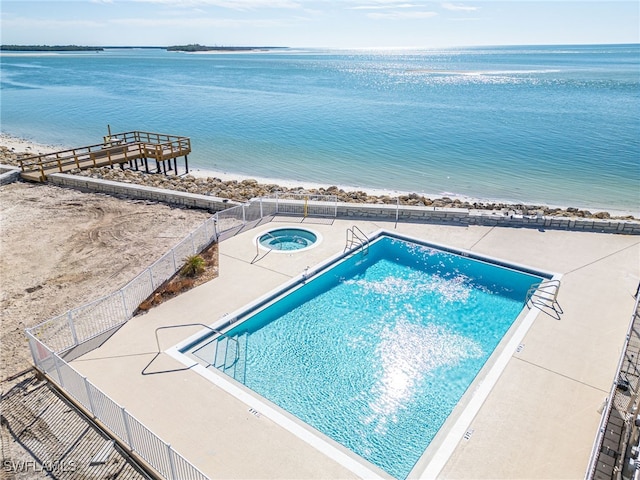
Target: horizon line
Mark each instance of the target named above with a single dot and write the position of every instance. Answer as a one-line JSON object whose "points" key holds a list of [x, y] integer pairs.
{"points": [[414, 47]]}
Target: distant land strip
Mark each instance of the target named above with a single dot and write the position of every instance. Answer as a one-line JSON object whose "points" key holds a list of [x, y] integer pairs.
{"points": [[202, 48], [49, 48], [174, 48]]}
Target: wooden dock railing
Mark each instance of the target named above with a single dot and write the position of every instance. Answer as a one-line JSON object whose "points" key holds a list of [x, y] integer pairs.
{"points": [[116, 149]]}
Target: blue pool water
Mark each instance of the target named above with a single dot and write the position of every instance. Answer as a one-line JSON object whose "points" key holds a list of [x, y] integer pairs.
{"points": [[377, 351], [288, 239]]}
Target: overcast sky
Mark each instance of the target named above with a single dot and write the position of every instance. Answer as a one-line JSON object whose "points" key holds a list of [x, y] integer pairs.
{"points": [[319, 23]]}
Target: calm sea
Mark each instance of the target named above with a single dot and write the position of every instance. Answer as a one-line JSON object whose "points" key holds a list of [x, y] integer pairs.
{"points": [[557, 125]]}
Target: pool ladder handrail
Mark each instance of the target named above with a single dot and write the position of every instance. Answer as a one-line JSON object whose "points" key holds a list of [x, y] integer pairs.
{"points": [[213, 330], [544, 296], [357, 236], [257, 257], [220, 336], [265, 246]]}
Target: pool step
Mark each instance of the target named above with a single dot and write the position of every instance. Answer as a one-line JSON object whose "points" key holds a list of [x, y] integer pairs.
{"points": [[221, 353]]}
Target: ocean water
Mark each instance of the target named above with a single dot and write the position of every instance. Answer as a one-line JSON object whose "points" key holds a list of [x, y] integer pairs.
{"points": [[556, 125]]}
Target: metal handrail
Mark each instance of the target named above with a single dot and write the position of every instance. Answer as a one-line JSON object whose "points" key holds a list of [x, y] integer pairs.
{"points": [[258, 242], [362, 239], [217, 332], [555, 284], [268, 247], [544, 296]]}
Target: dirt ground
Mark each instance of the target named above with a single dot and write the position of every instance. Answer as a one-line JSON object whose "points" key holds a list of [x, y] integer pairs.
{"points": [[60, 248]]}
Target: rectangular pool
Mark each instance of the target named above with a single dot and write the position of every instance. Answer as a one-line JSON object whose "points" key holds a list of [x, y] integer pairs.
{"points": [[375, 350]]}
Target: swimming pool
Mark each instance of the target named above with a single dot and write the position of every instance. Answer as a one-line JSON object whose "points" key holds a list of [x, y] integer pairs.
{"points": [[377, 349]]}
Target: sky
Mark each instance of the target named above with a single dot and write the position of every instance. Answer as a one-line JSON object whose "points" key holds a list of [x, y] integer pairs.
{"points": [[318, 23]]}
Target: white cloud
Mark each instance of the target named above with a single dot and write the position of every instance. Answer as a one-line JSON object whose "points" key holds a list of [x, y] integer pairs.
{"points": [[393, 10], [40, 24], [229, 4], [383, 7], [459, 8], [192, 23], [401, 15]]}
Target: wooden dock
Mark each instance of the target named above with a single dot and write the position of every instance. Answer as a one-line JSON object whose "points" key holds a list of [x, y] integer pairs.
{"points": [[134, 148]]}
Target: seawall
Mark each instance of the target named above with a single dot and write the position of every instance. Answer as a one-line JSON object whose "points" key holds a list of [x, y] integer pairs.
{"points": [[401, 213]]}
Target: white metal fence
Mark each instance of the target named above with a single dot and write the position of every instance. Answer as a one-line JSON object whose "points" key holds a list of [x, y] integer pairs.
{"points": [[606, 412], [234, 220], [59, 334], [54, 337], [128, 429], [88, 321], [305, 205]]}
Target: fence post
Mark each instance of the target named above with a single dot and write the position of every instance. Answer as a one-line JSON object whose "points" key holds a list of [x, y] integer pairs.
{"points": [[127, 428], [206, 231], [55, 363], [32, 348], [244, 219], [124, 304], [151, 277], [277, 202], [171, 462], [72, 327], [261, 214], [91, 405], [397, 208]]}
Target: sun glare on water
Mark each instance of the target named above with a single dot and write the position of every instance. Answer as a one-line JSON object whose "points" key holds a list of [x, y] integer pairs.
{"points": [[407, 354]]}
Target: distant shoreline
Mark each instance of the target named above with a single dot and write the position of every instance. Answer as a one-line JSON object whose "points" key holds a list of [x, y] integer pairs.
{"points": [[49, 48], [192, 48]]}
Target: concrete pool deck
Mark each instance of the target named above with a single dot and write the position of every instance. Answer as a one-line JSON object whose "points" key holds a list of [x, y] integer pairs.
{"points": [[539, 420]]}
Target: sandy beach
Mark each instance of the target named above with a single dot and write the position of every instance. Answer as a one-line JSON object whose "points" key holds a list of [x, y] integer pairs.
{"points": [[61, 248], [19, 145], [243, 187]]}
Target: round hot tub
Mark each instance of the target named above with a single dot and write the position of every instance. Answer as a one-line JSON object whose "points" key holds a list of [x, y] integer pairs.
{"points": [[288, 239]]}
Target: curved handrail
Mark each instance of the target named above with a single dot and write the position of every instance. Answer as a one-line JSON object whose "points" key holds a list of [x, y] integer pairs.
{"points": [[218, 332], [362, 239], [265, 246], [544, 296]]}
